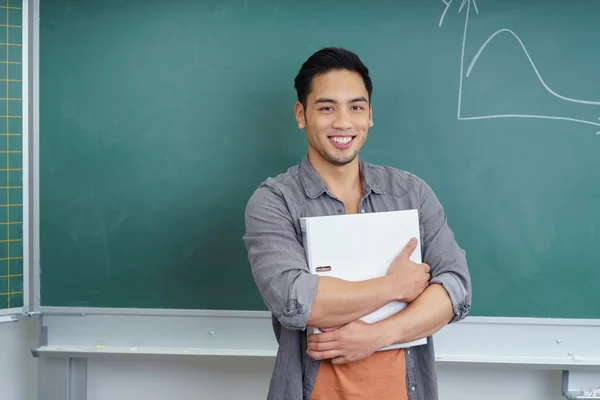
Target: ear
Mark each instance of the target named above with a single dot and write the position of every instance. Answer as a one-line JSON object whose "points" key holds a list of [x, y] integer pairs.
{"points": [[370, 115], [299, 113]]}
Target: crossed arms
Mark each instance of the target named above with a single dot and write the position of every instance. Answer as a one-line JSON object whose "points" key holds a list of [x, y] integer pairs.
{"points": [[439, 290]]}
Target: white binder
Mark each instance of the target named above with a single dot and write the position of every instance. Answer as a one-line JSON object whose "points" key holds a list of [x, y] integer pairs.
{"points": [[357, 247]]}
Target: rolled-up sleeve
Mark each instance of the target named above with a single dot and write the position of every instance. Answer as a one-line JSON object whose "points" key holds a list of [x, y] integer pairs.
{"points": [[442, 253], [277, 259]]}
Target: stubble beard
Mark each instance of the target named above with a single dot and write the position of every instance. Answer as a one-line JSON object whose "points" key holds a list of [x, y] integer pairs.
{"points": [[338, 161]]}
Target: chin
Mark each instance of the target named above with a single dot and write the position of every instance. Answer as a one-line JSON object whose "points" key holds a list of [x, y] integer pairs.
{"points": [[340, 160]]}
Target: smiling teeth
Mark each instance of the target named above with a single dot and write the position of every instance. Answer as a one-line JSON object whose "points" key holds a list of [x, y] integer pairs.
{"points": [[341, 140]]}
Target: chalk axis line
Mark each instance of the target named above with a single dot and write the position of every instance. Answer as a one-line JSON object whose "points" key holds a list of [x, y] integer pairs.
{"points": [[472, 3]]}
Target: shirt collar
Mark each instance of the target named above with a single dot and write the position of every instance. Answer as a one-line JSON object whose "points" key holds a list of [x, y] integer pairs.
{"points": [[314, 185]]}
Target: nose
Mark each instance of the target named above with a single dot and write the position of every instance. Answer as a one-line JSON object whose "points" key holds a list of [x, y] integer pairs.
{"points": [[342, 120]]}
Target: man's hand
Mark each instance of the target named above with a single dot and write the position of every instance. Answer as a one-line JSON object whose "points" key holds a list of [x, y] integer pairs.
{"points": [[351, 342], [410, 279]]}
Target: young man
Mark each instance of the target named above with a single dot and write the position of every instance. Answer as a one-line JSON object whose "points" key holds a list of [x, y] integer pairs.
{"points": [[334, 108]]}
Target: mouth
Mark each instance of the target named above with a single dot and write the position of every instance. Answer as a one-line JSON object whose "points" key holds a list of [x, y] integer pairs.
{"points": [[341, 141]]}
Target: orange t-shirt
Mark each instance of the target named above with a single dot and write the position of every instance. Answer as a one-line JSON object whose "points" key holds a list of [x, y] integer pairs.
{"points": [[382, 376]]}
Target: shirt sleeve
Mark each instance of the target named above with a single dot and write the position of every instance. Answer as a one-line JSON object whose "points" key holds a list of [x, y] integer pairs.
{"points": [[277, 259], [442, 253]]}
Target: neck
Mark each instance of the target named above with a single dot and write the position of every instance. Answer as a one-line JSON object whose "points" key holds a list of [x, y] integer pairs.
{"points": [[338, 178]]}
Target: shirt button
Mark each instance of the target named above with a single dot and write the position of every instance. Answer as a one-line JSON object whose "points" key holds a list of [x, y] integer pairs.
{"points": [[408, 352], [339, 210], [362, 210], [412, 389]]}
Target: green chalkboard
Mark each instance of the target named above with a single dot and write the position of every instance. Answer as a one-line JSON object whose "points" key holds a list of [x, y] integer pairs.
{"points": [[159, 119]]}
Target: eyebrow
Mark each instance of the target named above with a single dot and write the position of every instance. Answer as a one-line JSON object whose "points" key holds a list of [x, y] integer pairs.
{"points": [[354, 100]]}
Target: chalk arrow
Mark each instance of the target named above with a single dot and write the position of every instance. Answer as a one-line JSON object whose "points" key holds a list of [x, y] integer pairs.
{"points": [[462, 5], [448, 3]]}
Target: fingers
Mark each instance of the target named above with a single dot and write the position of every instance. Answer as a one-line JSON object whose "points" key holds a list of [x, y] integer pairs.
{"points": [[323, 337], [409, 248], [323, 346], [427, 273], [329, 329], [323, 355]]}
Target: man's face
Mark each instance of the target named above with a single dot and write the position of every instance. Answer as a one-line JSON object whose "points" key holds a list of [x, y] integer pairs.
{"points": [[337, 117]]}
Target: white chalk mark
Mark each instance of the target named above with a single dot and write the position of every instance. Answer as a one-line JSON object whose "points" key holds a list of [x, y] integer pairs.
{"points": [[445, 11], [462, 5], [472, 64], [581, 121], [532, 64], [275, 11], [462, 57]]}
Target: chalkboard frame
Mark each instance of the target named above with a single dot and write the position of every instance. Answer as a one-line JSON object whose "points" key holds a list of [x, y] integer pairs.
{"points": [[29, 185]]}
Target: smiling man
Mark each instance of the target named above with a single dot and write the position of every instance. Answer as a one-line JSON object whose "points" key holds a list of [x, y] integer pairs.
{"points": [[335, 111]]}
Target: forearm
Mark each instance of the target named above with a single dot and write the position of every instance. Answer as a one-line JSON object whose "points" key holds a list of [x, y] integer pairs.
{"points": [[426, 315], [338, 302]]}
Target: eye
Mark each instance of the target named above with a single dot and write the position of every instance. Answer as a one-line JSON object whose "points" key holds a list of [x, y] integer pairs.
{"points": [[326, 108], [357, 108]]}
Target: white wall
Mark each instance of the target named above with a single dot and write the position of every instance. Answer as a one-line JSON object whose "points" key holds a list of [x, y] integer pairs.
{"points": [[220, 378], [498, 382], [18, 373]]}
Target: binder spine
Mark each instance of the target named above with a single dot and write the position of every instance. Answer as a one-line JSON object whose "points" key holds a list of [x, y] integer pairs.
{"points": [[306, 243]]}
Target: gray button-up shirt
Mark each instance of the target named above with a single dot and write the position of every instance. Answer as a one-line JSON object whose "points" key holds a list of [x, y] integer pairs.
{"points": [[274, 242]]}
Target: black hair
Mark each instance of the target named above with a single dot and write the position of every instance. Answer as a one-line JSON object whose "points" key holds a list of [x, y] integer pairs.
{"points": [[325, 60]]}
